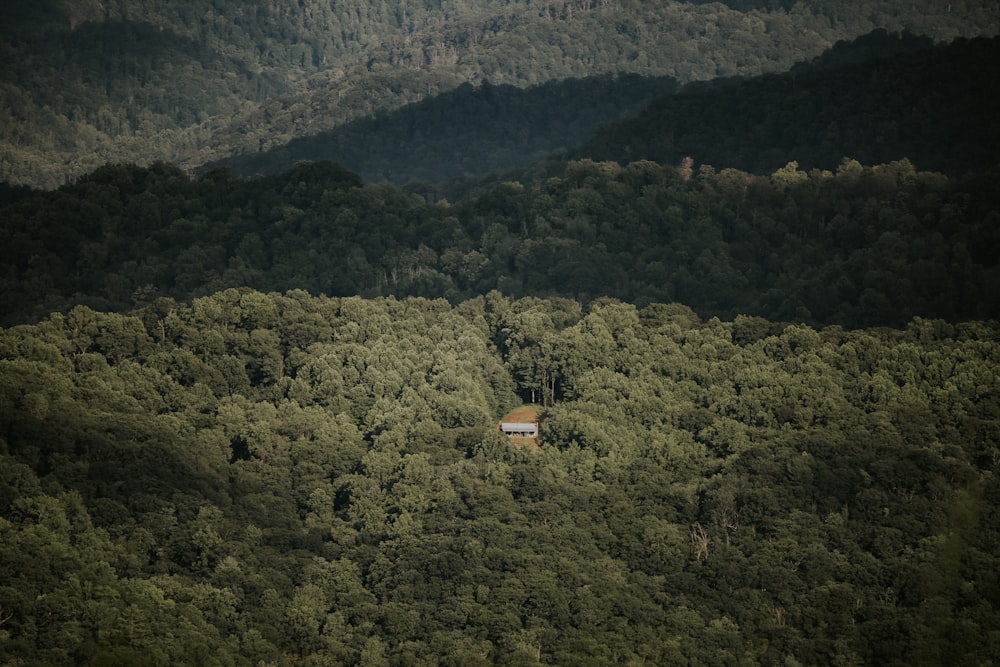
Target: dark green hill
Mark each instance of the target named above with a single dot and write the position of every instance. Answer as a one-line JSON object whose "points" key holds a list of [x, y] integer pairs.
{"points": [[466, 131], [934, 106], [864, 246], [196, 81], [865, 97]]}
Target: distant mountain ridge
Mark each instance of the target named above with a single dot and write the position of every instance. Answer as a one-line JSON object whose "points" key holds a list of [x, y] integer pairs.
{"points": [[197, 81], [861, 98], [935, 106], [465, 132]]}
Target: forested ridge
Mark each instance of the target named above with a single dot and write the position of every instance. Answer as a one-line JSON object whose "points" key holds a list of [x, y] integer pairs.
{"points": [[932, 104], [281, 479], [860, 246], [196, 81], [466, 132], [868, 98]]}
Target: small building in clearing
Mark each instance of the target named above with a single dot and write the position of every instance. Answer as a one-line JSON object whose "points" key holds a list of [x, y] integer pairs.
{"points": [[520, 429]]}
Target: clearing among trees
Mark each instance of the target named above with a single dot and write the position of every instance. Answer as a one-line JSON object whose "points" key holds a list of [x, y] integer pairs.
{"points": [[518, 423]]}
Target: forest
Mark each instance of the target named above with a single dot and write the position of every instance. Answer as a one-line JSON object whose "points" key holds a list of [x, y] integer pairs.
{"points": [[868, 98], [273, 275], [877, 99], [262, 478], [860, 246], [254, 420], [192, 82], [466, 133]]}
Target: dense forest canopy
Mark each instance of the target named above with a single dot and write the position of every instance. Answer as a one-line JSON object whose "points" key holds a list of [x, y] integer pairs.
{"points": [[273, 478], [861, 246], [255, 345], [199, 80]]}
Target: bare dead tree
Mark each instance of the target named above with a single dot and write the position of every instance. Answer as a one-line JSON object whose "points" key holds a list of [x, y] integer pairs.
{"points": [[699, 542]]}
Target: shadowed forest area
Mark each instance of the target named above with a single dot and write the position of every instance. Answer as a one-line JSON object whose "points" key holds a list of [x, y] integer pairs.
{"points": [[862, 246]]}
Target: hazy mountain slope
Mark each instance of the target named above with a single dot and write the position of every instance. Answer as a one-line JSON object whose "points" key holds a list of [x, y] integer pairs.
{"points": [[858, 88], [197, 80], [466, 131], [936, 107]]}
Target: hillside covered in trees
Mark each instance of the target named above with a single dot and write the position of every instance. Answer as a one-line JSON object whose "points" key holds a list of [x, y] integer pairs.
{"points": [[742, 264], [466, 132], [196, 81], [283, 479], [860, 246], [932, 104], [880, 98]]}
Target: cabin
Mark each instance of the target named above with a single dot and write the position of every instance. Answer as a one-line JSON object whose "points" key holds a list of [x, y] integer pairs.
{"points": [[520, 429]]}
